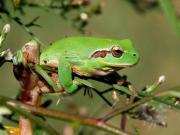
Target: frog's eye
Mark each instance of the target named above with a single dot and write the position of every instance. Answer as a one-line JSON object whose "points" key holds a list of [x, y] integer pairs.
{"points": [[116, 51]]}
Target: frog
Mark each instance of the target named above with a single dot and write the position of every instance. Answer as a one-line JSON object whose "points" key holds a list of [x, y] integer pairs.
{"points": [[86, 57]]}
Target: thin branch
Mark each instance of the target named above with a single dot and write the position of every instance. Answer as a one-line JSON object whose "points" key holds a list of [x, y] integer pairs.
{"points": [[101, 95], [155, 97], [140, 95], [24, 109], [18, 21], [20, 108]]}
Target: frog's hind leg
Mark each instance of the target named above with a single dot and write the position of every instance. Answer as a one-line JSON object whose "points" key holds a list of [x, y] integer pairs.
{"points": [[65, 76]]}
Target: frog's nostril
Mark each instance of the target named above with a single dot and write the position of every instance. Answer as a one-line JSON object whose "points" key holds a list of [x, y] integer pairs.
{"points": [[134, 54]]}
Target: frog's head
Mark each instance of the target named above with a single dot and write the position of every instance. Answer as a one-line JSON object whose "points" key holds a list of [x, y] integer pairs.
{"points": [[119, 54]]}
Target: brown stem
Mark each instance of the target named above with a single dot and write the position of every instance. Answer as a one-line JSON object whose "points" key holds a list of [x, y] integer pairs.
{"points": [[28, 82], [123, 122], [23, 109], [123, 116], [17, 107], [25, 126], [81, 119], [121, 110]]}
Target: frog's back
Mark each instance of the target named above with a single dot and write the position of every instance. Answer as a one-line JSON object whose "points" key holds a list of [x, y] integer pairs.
{"points": [[81, 46], [76, 43]]}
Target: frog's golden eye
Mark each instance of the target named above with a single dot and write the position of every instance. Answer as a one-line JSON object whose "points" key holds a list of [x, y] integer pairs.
{"points": [[116, 51]]}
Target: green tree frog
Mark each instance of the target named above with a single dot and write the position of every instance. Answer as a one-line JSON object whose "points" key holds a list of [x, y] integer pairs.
{"points": [[86, 56]]}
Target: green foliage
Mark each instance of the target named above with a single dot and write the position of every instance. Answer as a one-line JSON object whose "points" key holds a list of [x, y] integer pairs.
{"points": [[166, 6], [145, 104], [78, 12], [171, 15]]}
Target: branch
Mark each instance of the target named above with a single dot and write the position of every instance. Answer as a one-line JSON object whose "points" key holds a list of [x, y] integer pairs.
{"points": [[21, 109], [24, 110], [18, 21], [155, 97]]}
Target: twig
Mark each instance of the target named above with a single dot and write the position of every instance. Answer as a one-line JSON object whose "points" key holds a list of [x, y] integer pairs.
{"points": [[24, 109], [18, 21], [21, 109], [101, 95], [155, 97]]}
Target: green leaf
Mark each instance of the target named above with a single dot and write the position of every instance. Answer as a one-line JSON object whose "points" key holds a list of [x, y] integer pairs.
{"points": [[85, 82], [166, 97], [122, 89], [170, 13]]}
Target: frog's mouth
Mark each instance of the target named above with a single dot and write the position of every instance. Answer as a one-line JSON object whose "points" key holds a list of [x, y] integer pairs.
{"points": [[121, 66]]}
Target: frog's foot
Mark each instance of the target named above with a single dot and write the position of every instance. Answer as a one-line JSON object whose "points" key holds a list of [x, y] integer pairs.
{"points": [[71, 89]]}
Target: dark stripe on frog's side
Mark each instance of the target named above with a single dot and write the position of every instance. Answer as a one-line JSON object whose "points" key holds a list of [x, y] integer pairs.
{"points": [[101, 53]]}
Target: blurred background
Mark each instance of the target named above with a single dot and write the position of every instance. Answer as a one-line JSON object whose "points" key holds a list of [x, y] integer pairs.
{"points": [[152, 35]]}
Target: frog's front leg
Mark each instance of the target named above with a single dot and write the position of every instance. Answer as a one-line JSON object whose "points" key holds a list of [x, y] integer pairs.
{"points": [[65, 76]]}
